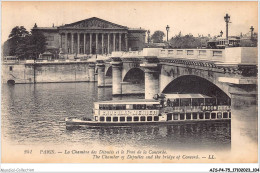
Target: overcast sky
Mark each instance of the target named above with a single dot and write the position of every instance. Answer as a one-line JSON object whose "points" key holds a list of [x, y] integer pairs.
{"points": [[188, 17]]}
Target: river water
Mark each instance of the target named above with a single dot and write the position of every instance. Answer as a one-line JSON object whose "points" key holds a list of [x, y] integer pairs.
{"points": [[34, 115]]}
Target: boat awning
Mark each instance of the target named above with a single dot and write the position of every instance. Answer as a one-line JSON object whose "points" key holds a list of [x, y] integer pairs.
{"points": [[136, 101], [180, 96]]}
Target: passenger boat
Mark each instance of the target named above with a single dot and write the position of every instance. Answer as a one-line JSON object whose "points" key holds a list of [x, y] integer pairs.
{"points": [[163, 109]]}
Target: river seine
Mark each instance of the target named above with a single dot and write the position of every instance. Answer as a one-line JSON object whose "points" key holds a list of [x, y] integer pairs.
{"points": [[34, 114]]}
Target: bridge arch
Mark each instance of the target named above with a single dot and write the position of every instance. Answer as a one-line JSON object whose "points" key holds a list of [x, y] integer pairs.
{"points": [[108, 71], [196, 84], [134, 75], [11, 82]]}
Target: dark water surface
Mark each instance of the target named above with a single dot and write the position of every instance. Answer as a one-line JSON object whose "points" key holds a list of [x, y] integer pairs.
{"points": [[34, 114]]}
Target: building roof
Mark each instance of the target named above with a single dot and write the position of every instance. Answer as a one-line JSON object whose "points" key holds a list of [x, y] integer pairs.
{"points": [[94, 23]]}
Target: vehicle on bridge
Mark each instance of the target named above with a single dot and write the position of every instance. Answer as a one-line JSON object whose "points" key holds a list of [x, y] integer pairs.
{"points": [[163, 109]]}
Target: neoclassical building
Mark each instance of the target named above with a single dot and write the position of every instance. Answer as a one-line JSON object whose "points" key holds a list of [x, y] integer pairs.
{"points": [[92, 36]]}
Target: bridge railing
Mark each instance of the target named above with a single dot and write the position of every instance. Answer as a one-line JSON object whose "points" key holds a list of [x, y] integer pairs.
{"points": [[198, 54]]}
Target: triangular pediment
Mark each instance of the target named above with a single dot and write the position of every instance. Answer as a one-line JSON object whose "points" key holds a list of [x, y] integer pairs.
{"points": [[94, 23]]}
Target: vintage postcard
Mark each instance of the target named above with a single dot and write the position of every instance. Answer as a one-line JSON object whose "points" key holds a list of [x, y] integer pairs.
{"points": [[129, 82]]}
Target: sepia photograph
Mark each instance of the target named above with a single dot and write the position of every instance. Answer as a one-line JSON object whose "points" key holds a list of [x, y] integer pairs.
{"points": [[129, 82]]}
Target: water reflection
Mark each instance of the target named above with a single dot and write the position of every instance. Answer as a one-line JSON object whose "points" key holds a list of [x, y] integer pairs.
{"points": [[34, 114]]}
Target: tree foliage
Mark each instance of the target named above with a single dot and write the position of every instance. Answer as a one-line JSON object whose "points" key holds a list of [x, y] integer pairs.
{"points": [[157, 37], [25, 45], [187, 41]]}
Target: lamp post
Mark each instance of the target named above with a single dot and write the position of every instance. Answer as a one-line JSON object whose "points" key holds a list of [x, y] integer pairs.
{"points": [[148, 39], [252, 31], [227, 19], [167, 29]]}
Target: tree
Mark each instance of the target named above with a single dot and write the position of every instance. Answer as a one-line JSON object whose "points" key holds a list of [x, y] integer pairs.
{"points": [[16, 39], [37, 43], [157, 37], [24, 44], [187, 41]]}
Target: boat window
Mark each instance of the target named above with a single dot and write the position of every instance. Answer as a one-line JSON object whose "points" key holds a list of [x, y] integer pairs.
{"points": [[108, 119], [210, 102], [156, 118], [109, 107], [175, 116], [115, 119], [213, 115], [149, 107], [136, 118], [225, 115], [201, 116], [129, 118], [229, 114], [96, 118], [194, 116], [222, 101], [188, 116], [142, 118], [182, 116], [186, 102], [122, 119], [219, 115], [101, 107], [129, 106], [149, 118], [207, 115], [175, 102], [197, 102], [101, 118], [169, 117]]}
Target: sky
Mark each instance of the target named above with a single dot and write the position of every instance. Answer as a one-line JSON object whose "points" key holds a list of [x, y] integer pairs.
{"points": [[188, 17]]}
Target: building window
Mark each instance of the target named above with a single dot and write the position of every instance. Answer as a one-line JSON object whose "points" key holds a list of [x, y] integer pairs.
{"points": [[11, 68], [50, 38]]}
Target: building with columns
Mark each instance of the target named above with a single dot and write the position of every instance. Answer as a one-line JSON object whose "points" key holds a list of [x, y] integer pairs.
{"points": [[92, 36]]}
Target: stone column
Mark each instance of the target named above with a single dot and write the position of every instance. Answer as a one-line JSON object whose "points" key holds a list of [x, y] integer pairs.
{"points": [[102, 43], [151, 79], [126, 42], [108, 39], [116, 77], [91, 72], [90, 43], [96, 43], [119, 41], [60, 40], [114, 42], [66, 43], [101, 74], [78, 39], [72, 42], [84, 42]]}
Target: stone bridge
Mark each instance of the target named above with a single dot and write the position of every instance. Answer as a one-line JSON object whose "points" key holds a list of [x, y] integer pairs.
{"points": [[230, 72]]}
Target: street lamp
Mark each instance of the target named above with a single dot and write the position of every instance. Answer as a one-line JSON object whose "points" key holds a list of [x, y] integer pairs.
{"points": [[148, 39], [221, 33], [252, 31], [227, 19], [167, 29]]}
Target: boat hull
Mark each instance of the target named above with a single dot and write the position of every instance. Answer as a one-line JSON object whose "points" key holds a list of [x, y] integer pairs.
{"points": [[123, 124]]}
